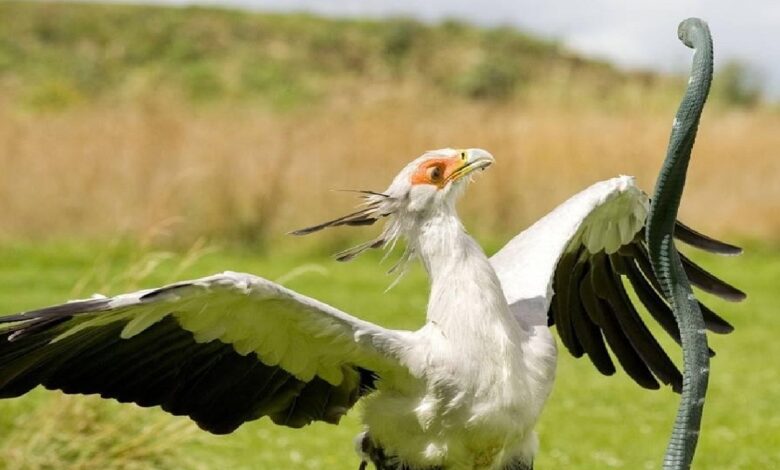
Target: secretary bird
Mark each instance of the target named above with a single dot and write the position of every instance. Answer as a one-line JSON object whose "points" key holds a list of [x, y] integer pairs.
{"points": [[462, 392]]}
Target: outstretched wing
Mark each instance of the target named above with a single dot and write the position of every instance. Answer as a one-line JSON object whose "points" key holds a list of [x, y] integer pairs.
{"points": [[222, 350], [570, 269]]}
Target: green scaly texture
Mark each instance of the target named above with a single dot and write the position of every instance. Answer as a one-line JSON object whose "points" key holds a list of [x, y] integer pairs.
{"points": [[695, 34]]}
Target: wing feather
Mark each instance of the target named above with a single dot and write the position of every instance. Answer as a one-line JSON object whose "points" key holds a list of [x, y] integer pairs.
{"points": [[570, 271], [637, 332], [222, 350], [588, 332], [567, 270], [712, 321], [709, 283], [693, 238], [601, 313]]}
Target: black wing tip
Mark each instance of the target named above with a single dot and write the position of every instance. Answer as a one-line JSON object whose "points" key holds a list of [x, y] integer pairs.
{"points": [[23, 324], [698, 240], [736, 296], [654, 385], [726, 329], [13, 318], [725, 292], [728, 249], [707, 282], [607, 369], [218, 429], [714, 322], [67, 309]]}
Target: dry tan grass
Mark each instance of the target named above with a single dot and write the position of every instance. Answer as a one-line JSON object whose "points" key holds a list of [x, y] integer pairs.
{"points": [[132, 168]]}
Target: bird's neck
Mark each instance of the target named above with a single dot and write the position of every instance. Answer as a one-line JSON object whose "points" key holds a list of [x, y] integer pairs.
{"points": [[444, 246], [465, 291]]}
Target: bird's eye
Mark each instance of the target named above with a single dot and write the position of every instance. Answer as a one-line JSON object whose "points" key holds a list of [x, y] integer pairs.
{"points": [[462, 155], [435, 173]]}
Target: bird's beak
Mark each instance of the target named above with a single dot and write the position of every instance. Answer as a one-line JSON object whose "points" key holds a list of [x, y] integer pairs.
{"points": [[472, 159]]}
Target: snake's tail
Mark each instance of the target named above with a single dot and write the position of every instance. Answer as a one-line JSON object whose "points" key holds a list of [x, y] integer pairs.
{"points": [[665, 260]]}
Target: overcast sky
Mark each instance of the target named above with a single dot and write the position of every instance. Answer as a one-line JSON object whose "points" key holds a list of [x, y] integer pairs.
{"points": [[632, 34]]}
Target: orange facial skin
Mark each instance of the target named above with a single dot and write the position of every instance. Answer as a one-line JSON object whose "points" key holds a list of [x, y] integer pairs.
{"points": [[438, 171]]}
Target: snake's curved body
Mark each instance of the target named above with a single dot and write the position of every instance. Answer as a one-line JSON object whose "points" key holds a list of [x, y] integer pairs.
{"points": [[666, 263]]}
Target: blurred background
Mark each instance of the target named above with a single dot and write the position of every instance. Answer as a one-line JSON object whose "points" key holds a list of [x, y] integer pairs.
{"points": [[143, 143]]}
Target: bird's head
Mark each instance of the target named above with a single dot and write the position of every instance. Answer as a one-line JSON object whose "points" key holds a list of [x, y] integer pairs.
{"points": [[425, 187]]}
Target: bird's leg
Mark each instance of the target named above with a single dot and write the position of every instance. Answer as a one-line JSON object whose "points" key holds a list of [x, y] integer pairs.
{"points": [[370, 451], [520, 465]]}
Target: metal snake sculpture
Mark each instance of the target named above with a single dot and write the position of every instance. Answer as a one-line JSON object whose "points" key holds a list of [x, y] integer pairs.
{"points": [[664, 257]]}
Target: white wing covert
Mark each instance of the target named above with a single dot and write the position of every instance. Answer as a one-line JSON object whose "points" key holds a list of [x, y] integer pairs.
{"points": [[568, 270], [223, 350]]}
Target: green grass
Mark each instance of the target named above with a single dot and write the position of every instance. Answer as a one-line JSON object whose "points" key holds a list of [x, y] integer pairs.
{"points": [[590, 421]]}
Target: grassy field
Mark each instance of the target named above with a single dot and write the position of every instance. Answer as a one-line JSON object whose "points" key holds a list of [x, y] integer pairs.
{"points": [[127, 130], [590, 421]]}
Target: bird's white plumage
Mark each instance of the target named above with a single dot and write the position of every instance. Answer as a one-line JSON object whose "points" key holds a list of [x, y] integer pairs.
{"points": [[476, 396]]}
